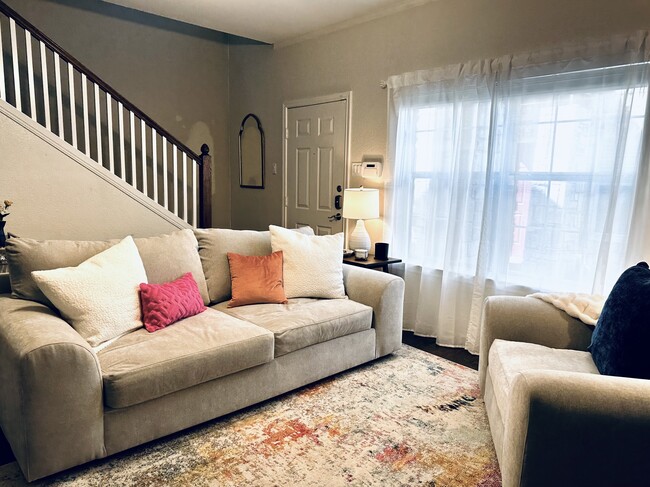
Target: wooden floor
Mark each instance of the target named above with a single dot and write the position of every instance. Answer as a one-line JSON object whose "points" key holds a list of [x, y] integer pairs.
{"points": [[457, 355]]}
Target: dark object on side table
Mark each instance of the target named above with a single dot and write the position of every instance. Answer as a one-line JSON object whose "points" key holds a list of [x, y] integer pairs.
{"points": [[381, 251]]}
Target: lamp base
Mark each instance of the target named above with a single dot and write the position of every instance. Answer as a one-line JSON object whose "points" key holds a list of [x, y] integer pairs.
{"points": [[359, 239]]}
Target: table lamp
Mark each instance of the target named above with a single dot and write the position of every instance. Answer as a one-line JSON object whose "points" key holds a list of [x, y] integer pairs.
{"points": [[360, 204]]}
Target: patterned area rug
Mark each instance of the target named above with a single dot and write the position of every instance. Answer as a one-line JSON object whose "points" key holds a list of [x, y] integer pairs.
{"points": [[408, 419]]}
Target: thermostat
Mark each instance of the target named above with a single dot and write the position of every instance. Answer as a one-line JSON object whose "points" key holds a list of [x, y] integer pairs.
{"points": [[368, 169]]}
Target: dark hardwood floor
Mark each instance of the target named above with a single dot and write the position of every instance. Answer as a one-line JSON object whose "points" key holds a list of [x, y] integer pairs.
{"points": [[457, 355]]}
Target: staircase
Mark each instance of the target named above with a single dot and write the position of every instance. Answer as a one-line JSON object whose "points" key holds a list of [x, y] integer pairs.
{"points": [[47, 84]]}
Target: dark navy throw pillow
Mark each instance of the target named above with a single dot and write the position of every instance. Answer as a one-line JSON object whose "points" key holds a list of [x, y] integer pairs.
{"points": [[621, 339]]}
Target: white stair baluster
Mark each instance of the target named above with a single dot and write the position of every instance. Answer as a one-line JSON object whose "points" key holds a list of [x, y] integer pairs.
{"points": [[165, 182], [145, 185], [109, 119], [134, 170], [59, 96], [46, 88], [98, 124], [30, 75], [154, 164], [3, 89], [184, 186], [194, 195], [14, 58], [73, 105], [175, 179], [122, 154], [84, 95]]}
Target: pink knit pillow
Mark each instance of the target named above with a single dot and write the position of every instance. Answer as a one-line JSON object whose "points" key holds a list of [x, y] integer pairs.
{"points": [[164, 304]]}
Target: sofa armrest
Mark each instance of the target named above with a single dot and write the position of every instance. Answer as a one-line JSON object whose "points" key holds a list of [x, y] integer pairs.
{"points": [[568, 428], [384, 293], [51, 407], [529, 320]]}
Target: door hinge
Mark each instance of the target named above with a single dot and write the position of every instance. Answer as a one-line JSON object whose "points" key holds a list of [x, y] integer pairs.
{"points": [[286, 201], [286, 133]]}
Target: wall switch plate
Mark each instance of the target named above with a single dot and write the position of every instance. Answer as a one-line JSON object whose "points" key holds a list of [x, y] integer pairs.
{"points": [[275, 168]]}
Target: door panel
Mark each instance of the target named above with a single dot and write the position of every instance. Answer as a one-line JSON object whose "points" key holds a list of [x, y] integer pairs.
{"points": [[302, 178], [316, 147]]}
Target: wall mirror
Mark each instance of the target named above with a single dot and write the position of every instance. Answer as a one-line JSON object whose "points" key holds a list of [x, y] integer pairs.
{"points": [[251, 153]]}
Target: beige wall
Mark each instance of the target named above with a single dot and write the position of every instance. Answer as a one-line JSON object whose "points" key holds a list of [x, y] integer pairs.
{"points": [[56, 197], [436, 34], [175, 73]]}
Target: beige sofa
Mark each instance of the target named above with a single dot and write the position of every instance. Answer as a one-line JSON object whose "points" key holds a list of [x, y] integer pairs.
{"points": [[62, 404], [554, 420]]}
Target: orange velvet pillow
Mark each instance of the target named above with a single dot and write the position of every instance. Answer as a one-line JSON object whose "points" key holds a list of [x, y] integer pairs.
{"points": [[256, 279]]}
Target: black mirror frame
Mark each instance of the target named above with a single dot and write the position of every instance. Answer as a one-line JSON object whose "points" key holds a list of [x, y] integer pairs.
{"points": [[262, 149]]}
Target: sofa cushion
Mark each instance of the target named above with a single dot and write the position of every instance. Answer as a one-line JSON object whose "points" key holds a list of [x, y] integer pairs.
{"points": [[168, 257], [508, 358], [25, 255], [142, 366], [165, 258], [304, 321], [214, 245]]}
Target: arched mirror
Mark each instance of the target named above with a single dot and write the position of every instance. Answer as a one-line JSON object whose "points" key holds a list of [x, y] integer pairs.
{"points": [[251, 153]]}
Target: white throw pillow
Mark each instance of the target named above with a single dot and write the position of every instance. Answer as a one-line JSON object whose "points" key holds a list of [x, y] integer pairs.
{"points": [[312, 265], [100, 297]]}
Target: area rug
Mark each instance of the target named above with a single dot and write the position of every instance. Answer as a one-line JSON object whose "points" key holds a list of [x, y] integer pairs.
{"points": [[408, 419]]}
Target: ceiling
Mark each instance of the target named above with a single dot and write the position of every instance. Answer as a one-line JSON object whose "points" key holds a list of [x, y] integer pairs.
{"points": [[271, 21]]}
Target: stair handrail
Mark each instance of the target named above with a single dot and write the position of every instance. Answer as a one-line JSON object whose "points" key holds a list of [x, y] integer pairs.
{"points": [[66, 56], [203, 160]]}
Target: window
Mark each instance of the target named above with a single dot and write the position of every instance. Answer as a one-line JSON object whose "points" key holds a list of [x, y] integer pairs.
{"points": [[536, 167]]}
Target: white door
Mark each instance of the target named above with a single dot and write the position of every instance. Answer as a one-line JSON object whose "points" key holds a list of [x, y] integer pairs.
{"points": [[315, 166]]}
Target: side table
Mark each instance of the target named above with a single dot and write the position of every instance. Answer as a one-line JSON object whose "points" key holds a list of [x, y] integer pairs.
{"points": [[371, 263]]}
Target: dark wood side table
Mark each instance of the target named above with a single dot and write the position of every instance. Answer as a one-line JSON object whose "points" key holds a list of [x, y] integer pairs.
{"points": [[371, 263]]}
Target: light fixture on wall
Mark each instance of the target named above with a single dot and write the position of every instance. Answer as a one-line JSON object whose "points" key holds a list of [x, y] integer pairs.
{"points": [[360, 204]]}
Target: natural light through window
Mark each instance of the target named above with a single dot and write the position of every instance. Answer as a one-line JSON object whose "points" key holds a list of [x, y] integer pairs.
{"points": [[557, 151]]}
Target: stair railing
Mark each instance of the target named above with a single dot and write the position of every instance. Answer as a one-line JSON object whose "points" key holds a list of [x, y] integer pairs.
{"points": [[46, 83]]}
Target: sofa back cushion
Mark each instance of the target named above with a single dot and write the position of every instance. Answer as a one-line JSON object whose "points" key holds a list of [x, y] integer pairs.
{"points": [[214, 246], [168, 257], [25, 255], [165, 258]]}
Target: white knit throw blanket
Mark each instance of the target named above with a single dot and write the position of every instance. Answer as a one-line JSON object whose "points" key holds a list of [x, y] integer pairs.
{"points": [[585, 307]]}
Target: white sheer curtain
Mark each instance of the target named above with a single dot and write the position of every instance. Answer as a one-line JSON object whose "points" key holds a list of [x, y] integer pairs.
{"points": [[517, 174]]}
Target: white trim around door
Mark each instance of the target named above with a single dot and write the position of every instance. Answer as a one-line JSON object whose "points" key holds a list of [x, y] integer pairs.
{"points": [[347, 96]]}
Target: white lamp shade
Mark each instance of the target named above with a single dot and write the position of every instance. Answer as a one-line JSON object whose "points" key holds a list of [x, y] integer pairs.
{"points": [[361, 203]]}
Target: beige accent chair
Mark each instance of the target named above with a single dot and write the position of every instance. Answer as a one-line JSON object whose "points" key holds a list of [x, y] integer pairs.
{"points": [[555, 420]]}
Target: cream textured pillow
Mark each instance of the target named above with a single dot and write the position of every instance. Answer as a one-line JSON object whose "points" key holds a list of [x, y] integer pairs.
{"points": [[99, 297], [313, 265]]}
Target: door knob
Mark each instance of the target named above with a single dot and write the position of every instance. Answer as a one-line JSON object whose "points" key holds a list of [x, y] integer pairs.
{"points": [[334, 218]]}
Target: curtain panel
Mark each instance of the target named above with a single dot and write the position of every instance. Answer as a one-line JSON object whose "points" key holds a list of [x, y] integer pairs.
{"points": [[517, 174]]}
